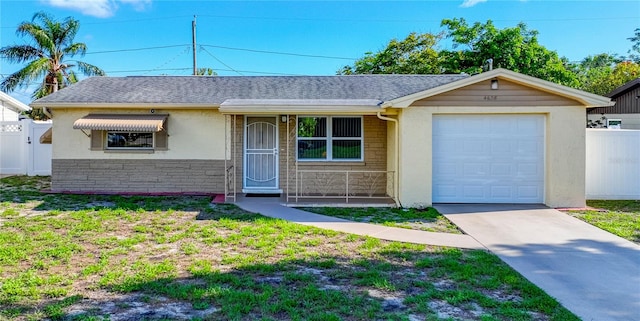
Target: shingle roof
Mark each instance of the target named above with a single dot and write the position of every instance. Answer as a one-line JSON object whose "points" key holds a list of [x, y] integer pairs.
{"points": [[215, 90]]}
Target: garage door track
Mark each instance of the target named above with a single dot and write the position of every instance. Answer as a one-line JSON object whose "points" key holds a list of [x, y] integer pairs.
{"points": [[593, 273]]}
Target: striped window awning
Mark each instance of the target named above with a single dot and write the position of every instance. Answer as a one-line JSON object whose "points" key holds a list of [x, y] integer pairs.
{"points": [[122, 122]]}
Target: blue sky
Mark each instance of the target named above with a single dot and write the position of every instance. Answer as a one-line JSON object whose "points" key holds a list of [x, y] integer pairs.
{"points": [[250, 37]]}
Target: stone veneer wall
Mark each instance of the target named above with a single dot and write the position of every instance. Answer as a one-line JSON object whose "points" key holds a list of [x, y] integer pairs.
{"points": [[138, 175]]}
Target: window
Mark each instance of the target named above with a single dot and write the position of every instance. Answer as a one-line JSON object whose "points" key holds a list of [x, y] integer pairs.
{"points": [[330, 138], [129, 140]]}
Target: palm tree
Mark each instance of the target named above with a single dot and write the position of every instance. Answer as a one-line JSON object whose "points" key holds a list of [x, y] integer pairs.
{"points": [[45, 58]]}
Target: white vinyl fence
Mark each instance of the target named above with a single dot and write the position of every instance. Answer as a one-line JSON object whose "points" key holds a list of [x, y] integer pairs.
{"points": [[613, 164], [20, 149]]}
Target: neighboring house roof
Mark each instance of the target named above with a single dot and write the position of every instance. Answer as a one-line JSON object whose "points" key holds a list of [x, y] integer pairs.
{"points": [[626, 98], [213, 91], [12, 103], [624, 88]]}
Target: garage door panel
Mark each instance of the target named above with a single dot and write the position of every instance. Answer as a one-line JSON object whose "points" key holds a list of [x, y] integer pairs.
{"points": [[501, 169], [473, 191], [501, 192], [488, 158]]}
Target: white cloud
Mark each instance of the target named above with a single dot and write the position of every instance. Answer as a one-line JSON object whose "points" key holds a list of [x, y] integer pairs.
{"points": [[97, 8], [471, 3], [138, 5]]}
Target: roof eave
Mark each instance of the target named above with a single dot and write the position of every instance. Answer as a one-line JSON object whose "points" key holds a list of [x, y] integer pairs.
{"points": [[13, 103], [624, 88], [125, 105], [585, 98]]}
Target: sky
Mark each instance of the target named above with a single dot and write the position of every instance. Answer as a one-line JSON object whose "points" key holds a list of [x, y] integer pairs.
{"points": [[154, 37]]}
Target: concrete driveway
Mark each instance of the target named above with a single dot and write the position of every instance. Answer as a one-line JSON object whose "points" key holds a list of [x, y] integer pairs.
{"points": [[593, 273]]}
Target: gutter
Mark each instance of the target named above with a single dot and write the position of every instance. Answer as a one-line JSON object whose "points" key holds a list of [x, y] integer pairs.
{"points": [[397, 157]]}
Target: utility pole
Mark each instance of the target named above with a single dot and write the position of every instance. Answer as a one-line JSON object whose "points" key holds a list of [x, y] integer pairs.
{"points": [[193, 36]]}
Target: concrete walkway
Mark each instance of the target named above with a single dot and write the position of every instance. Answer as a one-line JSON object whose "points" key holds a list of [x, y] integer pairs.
{"points": [[271, 207], [593, 273]]}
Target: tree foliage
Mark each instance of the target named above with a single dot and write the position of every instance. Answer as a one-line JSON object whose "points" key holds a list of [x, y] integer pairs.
{"points": [[51, 43], [602, 81], [600, 74], [416, 54], [514, 48], [206, 72], [634, 52]]}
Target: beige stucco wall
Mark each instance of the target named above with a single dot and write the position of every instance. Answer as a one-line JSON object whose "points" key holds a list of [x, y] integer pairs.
{"points": [[193, 134], [564, 151], [629, 121]]}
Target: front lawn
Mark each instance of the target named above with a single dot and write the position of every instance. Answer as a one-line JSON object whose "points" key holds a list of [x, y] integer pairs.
{"points": [[621, 218], [90, 257]]}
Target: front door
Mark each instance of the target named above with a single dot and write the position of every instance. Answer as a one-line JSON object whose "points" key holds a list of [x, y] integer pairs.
{"points": [[261, 155]]}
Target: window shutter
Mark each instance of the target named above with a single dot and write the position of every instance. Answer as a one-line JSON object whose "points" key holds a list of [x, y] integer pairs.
{"points": [[162, 140], [97, 140]]}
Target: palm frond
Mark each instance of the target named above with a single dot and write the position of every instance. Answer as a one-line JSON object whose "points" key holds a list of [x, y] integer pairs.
{"points": [[41, 36], [75, 48], [19, 54], [89, 69], [25, 76]]}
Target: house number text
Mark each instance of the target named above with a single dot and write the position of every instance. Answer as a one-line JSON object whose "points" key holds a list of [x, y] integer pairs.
{"points": [[491, 97]]}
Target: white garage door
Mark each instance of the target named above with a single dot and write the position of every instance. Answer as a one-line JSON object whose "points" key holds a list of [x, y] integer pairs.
{"points": [[488, 158]]}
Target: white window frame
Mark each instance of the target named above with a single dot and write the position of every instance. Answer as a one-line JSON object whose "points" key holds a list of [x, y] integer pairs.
{"points": [[106, 142], [329, 139]]}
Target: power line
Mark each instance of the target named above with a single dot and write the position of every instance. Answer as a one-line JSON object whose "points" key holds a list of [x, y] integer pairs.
{"points": [[279, 52], [226, 48], [220, 61], [136, 49]]}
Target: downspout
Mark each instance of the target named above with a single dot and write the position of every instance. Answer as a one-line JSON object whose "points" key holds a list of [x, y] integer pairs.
{"points": [[397, 157], [47, 112]]}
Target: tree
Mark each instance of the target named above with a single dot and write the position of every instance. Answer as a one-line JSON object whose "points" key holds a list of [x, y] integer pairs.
{"points": [[206, 72], [634, 52], [593, 72], [416, 54], [600, 74], [46, 55], [515, 48], [606, 82]]}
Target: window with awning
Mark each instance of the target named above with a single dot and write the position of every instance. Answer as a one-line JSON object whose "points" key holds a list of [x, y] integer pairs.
{"points": [[122, 122], [125, 131]]}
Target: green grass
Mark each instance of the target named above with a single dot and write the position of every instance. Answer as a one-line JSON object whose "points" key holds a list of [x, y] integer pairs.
{"points": [[621, 218], [427, 219], [108, 254]]}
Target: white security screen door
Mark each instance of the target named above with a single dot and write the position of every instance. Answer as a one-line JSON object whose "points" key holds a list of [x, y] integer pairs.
{"points": [[261, 154]]}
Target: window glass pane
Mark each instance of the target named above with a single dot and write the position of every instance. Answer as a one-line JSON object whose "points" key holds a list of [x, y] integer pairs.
{"points": [[347, 149], [312, 127], [346, 127], [129, 140], [312, 149]]}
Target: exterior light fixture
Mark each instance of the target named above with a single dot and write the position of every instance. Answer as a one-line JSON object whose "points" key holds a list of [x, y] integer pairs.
{"points": [[284, 118], [494, 84]]}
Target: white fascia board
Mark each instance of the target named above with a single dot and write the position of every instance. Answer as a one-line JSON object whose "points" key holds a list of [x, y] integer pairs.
{"points": [[301, 106], [12, 103], [125, 105], [587, 99]]}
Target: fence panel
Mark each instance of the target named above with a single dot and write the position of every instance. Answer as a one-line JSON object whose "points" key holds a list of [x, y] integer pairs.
{"points": [[20, 149], [12, 147], [613, 164]]}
